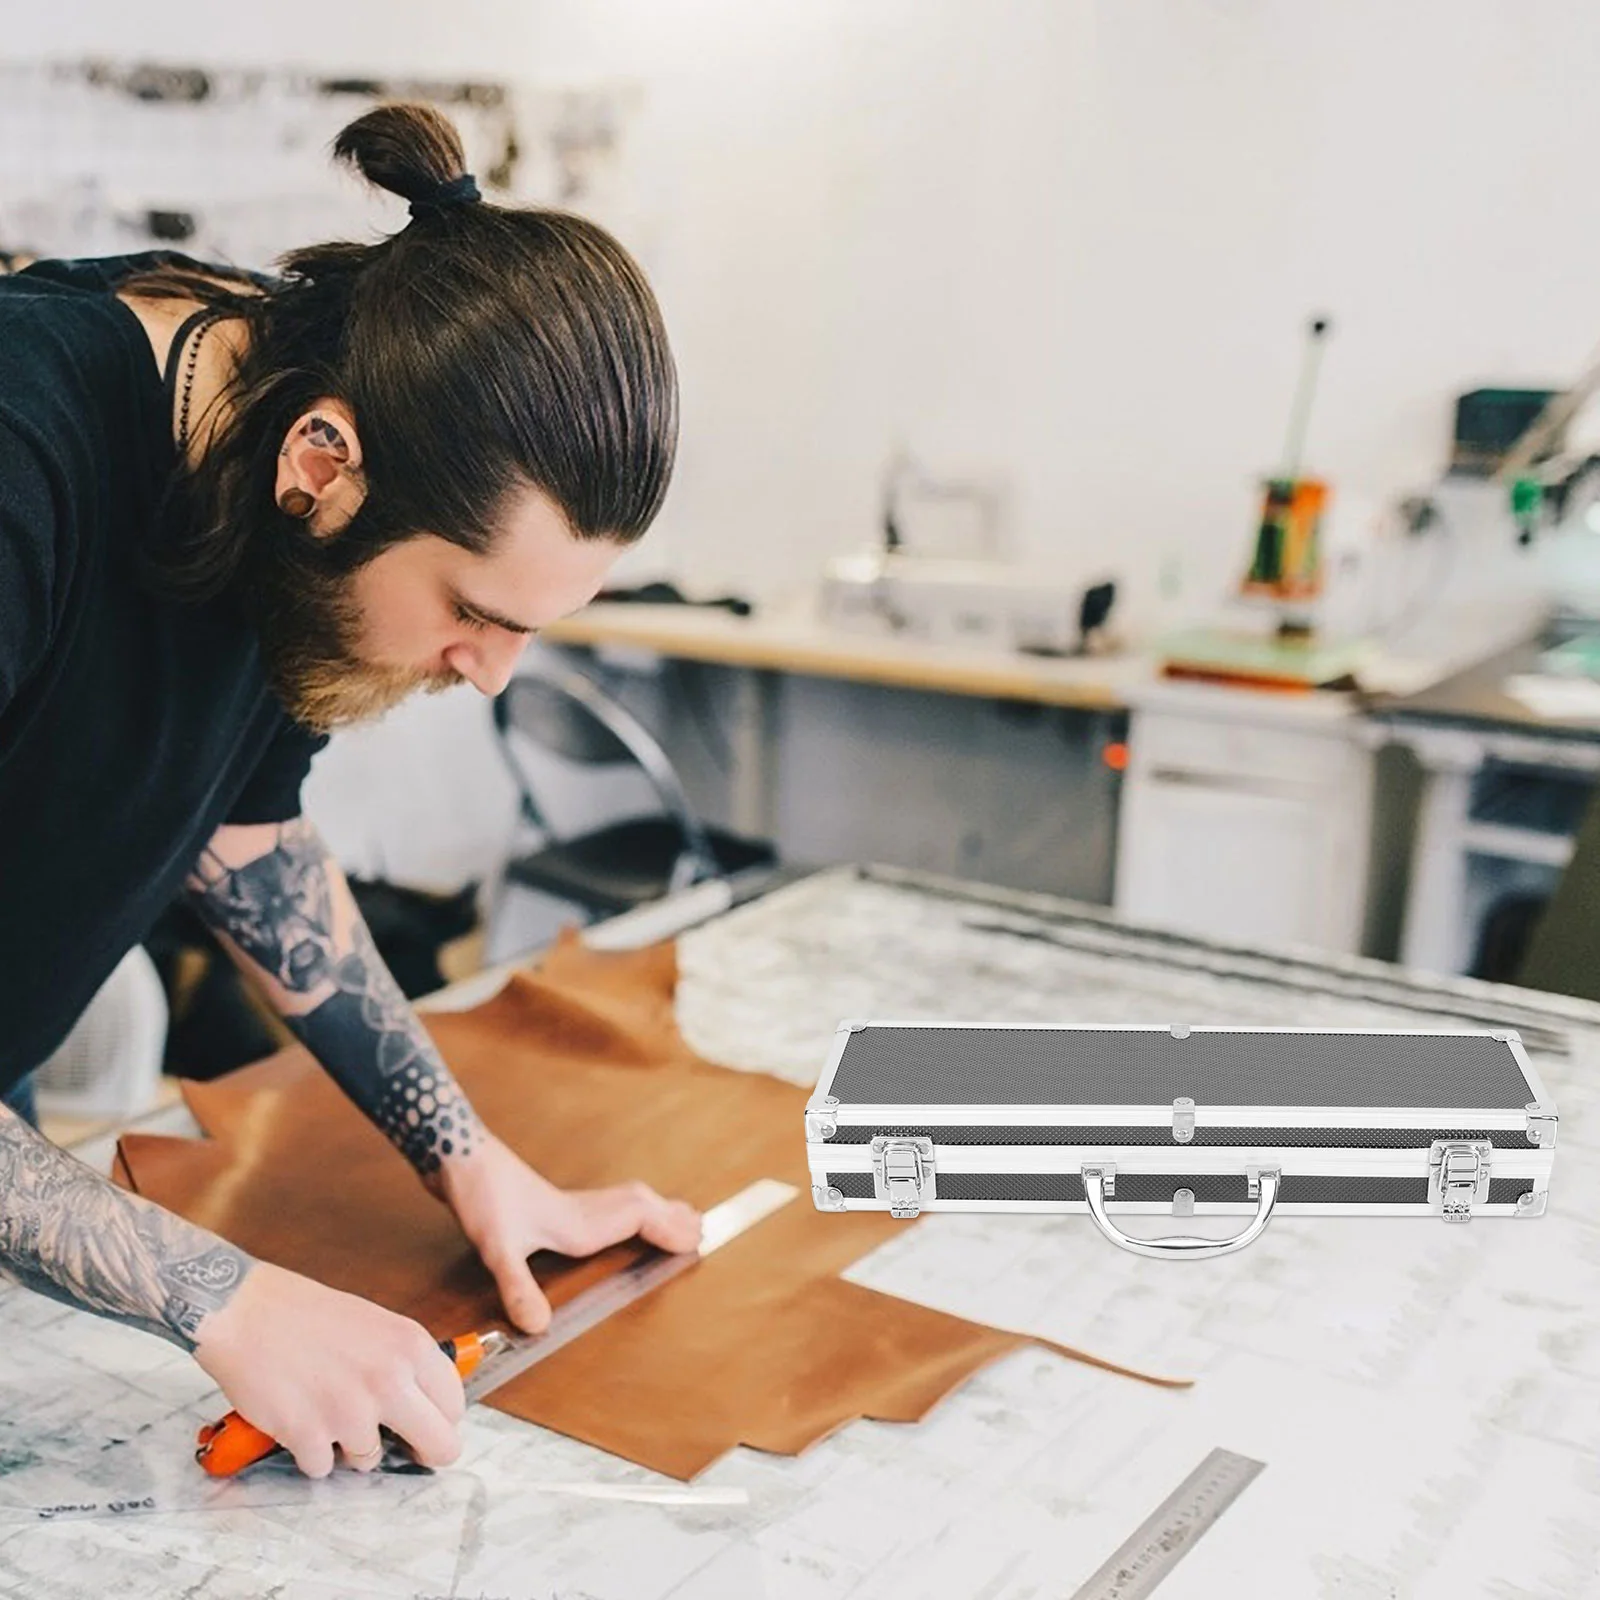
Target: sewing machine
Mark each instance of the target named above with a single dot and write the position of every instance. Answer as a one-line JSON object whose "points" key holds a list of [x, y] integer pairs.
{"points": [[976, 603]]}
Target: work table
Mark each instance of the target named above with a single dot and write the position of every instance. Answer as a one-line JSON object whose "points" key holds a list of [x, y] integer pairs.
{"points": [[1425, 1397], [792, 641], [791, 638], [1476, 696]]}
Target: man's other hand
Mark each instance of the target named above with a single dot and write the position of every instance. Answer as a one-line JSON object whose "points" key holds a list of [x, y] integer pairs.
{"points": [[508, 1211]]}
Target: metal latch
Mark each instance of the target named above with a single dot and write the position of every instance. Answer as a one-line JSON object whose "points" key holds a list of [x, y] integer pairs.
{"points": [[1458, 1176], [1183, 1119], [823, 1123], [902, 1173], [1542, 1121]]}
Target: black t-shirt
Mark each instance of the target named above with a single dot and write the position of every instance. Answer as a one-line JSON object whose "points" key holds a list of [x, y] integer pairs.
{"points": [[131, 727]]}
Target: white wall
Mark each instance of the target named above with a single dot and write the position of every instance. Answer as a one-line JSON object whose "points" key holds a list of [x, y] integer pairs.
{"points": [[1078, 242], [1073, 241]]}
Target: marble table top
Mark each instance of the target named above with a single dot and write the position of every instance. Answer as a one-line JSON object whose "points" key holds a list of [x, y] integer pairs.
{"points": [[1425, 1398]]}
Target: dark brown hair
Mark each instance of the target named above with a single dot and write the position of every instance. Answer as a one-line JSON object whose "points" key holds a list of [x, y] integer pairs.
{"points": [[482, 348]]}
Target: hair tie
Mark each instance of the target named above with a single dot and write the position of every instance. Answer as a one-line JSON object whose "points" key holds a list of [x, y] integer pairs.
{"points": [[460, 191]]}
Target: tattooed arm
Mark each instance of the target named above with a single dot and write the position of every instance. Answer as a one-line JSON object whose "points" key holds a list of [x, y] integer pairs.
{"points": [[321, 1371], [70, 1234], [317, 1369], [282, 907]]}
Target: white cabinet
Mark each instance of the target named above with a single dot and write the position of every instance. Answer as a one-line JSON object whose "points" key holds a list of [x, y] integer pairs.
{"points": [[1246, 816]]}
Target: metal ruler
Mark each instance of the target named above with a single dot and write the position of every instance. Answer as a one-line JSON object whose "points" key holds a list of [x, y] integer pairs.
{"points": [[1164, 1537], [570, 1321]]}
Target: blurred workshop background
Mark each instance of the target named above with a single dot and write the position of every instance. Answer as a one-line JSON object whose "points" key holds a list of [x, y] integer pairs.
{"points": [[1132, 449]]}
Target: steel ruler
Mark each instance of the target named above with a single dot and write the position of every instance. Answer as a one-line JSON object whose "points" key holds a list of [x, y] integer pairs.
{"points": [[1161, 1541], [604, 1299]]}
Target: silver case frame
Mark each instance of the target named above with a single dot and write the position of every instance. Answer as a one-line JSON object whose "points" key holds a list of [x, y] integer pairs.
{"points": [[1177, 1159]]}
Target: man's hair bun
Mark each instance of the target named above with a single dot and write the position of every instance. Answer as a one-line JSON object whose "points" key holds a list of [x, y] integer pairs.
{"points": [[408, 148]]}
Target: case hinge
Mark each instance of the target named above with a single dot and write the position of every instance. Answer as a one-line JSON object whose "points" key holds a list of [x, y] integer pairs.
{"points": [[902, 1173], [1542, 1124], [1458, 1176], [823, 1123], [1183, 1119]]}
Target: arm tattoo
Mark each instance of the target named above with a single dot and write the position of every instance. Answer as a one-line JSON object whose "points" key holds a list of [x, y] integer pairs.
{"points": [[278, 909], [370, 1039], [70, 1234]]}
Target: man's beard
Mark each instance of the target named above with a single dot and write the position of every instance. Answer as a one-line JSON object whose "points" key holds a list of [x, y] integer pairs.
{"points": [[324, 693], [309, 625]]}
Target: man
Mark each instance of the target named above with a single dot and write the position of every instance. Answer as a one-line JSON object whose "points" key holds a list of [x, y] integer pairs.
{"points": [[236, 512]]}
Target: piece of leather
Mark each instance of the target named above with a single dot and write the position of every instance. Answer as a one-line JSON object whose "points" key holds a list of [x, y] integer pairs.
{"points": [[580, 1067]]}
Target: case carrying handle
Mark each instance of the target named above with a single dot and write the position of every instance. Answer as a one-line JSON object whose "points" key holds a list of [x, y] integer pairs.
{"points": [[1185, 1247]]}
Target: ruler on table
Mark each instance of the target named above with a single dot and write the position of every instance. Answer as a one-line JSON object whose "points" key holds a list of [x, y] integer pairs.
{"points": [[1163, 1538], [585, 1311]]}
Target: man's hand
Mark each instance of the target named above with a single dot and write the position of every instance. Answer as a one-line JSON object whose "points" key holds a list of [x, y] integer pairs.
{"points": [[314, 1368], [508, 1211], [319, 1370]]}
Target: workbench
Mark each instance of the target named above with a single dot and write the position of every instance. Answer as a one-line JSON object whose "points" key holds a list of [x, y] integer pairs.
{"points": [[791, 640], [1425, 1397], [787, 729], [1487, 761]]}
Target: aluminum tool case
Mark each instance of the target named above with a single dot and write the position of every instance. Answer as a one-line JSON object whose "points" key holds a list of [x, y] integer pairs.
{"points": [[1179, 1121]]}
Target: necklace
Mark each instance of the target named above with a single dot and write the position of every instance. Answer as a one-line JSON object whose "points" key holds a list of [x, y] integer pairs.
{"points": [[188, 385]]}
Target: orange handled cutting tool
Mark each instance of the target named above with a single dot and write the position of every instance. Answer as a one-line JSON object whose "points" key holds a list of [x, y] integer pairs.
{"points": [[229, 1446]]}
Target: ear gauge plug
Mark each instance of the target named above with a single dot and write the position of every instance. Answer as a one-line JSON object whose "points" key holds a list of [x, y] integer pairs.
{"points": [[296, 503]]}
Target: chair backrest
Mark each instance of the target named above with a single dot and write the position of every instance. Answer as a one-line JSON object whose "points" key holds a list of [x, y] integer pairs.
{"points": [[545, 711], [569, 714]]}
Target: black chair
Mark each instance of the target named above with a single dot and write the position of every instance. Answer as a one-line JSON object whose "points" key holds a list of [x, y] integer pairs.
{"points": [[626, 863]]}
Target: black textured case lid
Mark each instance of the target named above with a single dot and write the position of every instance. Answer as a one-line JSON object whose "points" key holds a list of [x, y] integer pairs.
{"points": [[912, 1065]]}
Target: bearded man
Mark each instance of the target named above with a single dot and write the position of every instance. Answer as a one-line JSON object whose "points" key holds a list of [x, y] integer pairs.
{"points": [[237, 511]]}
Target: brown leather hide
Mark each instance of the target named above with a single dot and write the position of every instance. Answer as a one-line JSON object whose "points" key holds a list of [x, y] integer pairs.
{"points": [[580, 1067]]}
